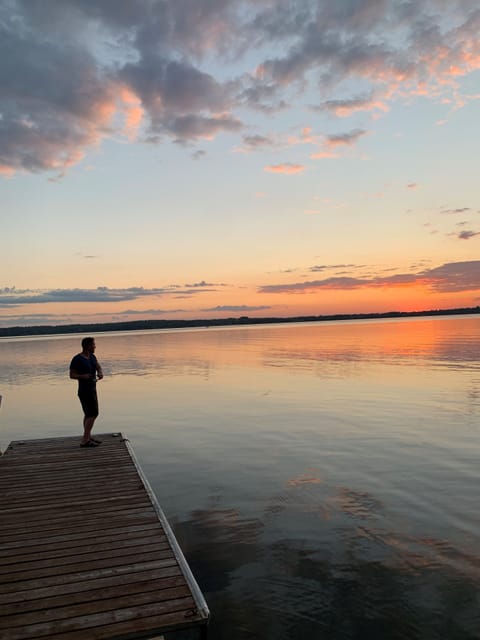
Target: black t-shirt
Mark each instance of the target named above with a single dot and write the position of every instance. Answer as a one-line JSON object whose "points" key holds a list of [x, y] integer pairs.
{"points": [[81, 364]]}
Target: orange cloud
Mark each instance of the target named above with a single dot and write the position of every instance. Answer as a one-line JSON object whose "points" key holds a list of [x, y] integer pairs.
{"points": [[306, 137], [346, 108], [287, 168], [448, 278], [133, 111], [332, 142], [345, 139], [6, 171], [323, 154]]}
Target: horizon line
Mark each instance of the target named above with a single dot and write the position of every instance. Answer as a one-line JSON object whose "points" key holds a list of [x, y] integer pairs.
{"points": [[135, 325]]}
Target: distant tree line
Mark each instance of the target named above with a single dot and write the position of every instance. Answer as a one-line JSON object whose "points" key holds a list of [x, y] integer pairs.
{"points": [[137, 325]]}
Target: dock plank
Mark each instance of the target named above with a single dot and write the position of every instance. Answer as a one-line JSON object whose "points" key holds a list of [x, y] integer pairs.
{"points": [[85, 550], [74, 548]]}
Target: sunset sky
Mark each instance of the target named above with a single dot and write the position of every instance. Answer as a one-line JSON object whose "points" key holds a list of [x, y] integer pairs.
{"points": [[217, 158]]}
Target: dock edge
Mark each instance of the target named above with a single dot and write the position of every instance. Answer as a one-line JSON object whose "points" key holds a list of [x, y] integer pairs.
{"points": [[198, 596]]}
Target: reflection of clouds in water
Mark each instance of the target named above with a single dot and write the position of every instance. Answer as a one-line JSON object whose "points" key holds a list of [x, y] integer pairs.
{"points": [[325, 350], [216, 542], [342, 349], [357, 504], [311, 476], [365, 583], [413, 554], [345, 501]]}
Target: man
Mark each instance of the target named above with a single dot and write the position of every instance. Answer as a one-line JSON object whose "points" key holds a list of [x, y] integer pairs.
{"points": [[86, 369]]}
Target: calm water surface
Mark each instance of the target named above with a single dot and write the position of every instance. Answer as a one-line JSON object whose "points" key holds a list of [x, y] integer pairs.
{"points": [[322, 479]]}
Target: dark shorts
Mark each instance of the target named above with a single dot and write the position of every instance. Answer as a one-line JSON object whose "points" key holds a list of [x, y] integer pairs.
{"points": [[89, 402]]}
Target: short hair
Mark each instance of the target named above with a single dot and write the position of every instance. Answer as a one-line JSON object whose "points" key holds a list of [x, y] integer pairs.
{"points": [[87, 342]]}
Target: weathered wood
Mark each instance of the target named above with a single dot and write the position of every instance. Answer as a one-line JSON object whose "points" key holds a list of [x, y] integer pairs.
{"points": [[85, 550], [75, 548], [143, 584], [95, 607], [21, 566], [125, 517], [79, 586], [136, 521]]}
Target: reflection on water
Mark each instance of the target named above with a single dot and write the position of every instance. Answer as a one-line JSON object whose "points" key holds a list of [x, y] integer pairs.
{"points": [[322, 479], [322, 348]]}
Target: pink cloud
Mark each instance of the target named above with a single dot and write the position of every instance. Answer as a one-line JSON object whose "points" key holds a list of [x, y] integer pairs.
{"points": [[450, 277], [156, 70], [346, 108], [133, 111], [344, 139], [6, 170], [287, 168], [336, 141]]}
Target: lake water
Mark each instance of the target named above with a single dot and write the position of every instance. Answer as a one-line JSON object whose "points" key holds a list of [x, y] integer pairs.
{"points": [[322, 479]]}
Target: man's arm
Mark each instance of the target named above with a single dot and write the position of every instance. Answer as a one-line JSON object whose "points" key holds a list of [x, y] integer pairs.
{"points": [[99, 371], [74, 375]]}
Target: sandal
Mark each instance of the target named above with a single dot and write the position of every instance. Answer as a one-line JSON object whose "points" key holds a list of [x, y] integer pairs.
{"points": [[89, 443], [95, 440]]}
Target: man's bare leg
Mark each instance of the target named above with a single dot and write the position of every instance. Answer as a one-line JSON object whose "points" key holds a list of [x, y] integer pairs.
{"points": [[87, 428]]}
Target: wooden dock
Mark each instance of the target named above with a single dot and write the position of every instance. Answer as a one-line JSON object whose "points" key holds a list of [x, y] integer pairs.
{"points": [[85, 550]]}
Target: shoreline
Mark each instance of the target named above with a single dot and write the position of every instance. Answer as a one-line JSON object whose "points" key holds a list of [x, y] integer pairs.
{"points": [[136, 325]]}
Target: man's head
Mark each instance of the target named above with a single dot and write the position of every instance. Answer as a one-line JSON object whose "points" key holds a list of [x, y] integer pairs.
{"points": [[88, 344]]}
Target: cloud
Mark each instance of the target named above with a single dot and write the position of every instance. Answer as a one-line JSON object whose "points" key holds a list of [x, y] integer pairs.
{"points": [[197, 288], [326, 267], [35, 319], [14, 298], [143, 312], [193, 127], [345, 139], [455, 211], [62, 93], [466, 235], [395, 49], [344, 108], [31, 316], [259, 142], [256, 142], [333, 142], [54, 102], [199, 153], [287, 168], [240, 308], [202, 284], [454, 276], [450, 277], [328, 283], [74, 73]]}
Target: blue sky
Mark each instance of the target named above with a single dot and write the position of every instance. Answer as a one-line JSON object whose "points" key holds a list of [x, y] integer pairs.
{"points": [[194, 158]]}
